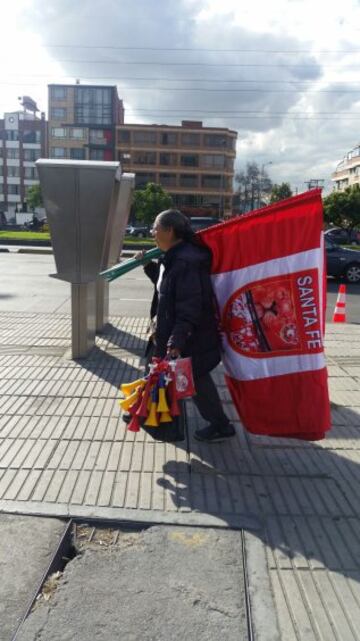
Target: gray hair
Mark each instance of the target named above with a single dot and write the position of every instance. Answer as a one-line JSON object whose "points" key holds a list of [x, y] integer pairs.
{"points": [[178, 222]]}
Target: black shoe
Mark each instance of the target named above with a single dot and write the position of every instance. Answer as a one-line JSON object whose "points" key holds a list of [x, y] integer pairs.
{"points": [[126, 418], [214, 433]]}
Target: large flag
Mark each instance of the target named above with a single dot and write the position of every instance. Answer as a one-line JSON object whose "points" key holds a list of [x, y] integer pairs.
{"points": [[269, 279]]}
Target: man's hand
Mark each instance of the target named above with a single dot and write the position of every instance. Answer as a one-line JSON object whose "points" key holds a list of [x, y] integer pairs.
{"points": [[140, 254], [173, 352]]}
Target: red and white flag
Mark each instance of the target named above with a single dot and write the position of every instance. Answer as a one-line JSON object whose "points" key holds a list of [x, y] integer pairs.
{"points": [[268, 274]]}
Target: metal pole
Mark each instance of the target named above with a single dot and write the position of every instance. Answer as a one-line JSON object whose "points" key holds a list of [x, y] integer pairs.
{"points": [[83, 318]]}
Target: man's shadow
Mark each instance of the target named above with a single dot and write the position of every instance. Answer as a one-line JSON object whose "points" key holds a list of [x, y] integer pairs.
{"points": [[299, 498]]}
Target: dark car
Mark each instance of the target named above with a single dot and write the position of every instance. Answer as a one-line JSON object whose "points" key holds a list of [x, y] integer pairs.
{"points": [[140, 231], [343, 236], [202, 222], [342, 262]]}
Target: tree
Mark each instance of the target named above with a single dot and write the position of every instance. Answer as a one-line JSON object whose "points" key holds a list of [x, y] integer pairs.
{"points": [[149, 202], [34, 197], [253, 183], [280, 192], [342, 208]]}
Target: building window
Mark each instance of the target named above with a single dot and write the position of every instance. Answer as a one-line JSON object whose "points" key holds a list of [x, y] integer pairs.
{"points": [[58, 93], [211, 201], [30, 173], [13, 172], [97, 154], [212, 182], [32, 136], [30, 155], [11, 134], [77, 153], [58, 152], [167, 159], [123, 135], [93, 105], [213, 160], [189, 160], [75, 132], [101, 137], [124, 157], [190, 140], [189, 180], [144, 137], [141, 179], [58, 132], [13, 189], [168, 138], [168, 180], [58, 113], [144, 158], [215, 140], [186, 200], [12, 154]]}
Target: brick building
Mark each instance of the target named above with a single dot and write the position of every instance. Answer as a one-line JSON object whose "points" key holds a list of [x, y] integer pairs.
{"points": [[195, 164]]}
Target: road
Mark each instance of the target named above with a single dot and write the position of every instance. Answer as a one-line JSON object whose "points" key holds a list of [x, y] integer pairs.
{"points": [[26, 286]]}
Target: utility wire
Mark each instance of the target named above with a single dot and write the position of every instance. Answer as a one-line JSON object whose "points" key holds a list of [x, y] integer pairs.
{"points": [[217, 50], [206, 64], [207, 90], [162, 79], [236, 111]]}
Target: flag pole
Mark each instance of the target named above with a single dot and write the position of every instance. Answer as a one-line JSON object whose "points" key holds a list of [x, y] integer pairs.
{"points": [[122, 268]]}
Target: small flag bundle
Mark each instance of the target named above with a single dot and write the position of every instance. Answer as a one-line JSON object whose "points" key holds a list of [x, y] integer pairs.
{"points": [[153, 398]]}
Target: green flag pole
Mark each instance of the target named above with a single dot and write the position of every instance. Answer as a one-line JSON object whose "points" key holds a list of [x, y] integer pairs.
{"points": [[122, 268]]}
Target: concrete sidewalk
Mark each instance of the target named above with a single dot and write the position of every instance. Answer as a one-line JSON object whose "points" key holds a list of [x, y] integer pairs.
{"points": [[65, 451]]}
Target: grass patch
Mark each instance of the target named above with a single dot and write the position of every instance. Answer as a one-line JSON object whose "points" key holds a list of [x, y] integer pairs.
{"points": [[356, 247], [24, 235], [130, 240], [39, 235]]}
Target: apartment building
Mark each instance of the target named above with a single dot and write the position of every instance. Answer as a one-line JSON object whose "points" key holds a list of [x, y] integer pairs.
{"points": [[22, 142], [347, 172], [195, 164], [82, 121]]}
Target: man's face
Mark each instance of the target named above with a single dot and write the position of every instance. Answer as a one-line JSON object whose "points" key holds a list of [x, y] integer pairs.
{"points": [[164, 238]]}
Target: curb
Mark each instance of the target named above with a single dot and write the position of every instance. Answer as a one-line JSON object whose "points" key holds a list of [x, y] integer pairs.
{"points": [[127, 253], [25, 243], [144, 517]]}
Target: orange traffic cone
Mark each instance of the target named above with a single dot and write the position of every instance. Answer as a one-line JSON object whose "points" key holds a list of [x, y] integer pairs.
{"points": [[339, 311]]}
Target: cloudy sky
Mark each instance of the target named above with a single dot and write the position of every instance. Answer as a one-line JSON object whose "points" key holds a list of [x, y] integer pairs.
{"points": [[284, 74]]}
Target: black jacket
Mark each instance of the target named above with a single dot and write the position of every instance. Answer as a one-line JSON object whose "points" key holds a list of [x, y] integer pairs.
{"points": [[185, 306]]}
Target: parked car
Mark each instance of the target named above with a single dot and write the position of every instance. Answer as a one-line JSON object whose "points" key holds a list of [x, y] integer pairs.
{"points": [[342, 262], [341, 236], [139, 231], [37, 225], [202, 222]]}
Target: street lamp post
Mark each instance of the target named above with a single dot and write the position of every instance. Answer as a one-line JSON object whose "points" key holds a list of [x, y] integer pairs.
{"points": [[265, 164], [222, 179]]}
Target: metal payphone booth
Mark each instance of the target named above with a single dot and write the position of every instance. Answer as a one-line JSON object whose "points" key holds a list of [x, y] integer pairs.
{"points": [[87, 205]]}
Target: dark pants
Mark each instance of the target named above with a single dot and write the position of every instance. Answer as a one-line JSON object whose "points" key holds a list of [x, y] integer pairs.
{"points": [[208, 402]]}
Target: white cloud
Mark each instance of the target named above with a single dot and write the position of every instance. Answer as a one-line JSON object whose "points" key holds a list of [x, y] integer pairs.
{"points": [[287, 67]]}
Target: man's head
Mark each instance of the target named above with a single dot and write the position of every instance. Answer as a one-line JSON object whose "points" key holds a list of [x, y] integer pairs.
{"points": [[170, 228]]}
